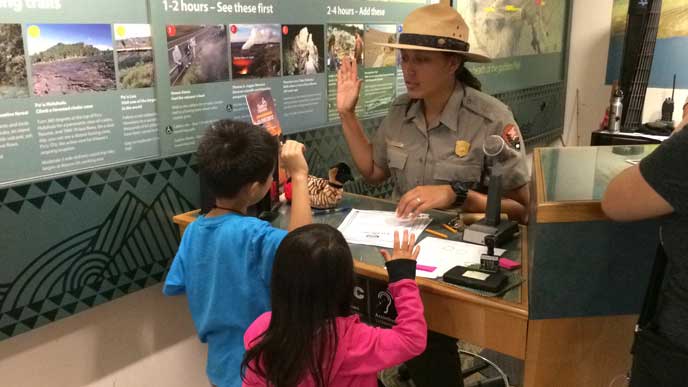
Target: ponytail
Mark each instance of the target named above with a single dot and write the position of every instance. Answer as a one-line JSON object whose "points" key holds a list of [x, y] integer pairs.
{"points": [[464, 76]]}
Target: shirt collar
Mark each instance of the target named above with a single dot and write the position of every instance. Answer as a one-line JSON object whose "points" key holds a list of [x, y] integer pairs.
{"points": [[450, 113]]}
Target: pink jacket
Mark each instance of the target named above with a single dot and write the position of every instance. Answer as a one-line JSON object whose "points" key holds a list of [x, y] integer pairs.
{"points": [[363, 350]]}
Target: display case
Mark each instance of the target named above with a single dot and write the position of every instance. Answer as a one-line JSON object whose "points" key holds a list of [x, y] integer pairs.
{"points": [[582, 263]]}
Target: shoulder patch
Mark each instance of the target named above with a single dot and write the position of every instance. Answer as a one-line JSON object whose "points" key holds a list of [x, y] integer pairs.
{"points": [[512, 136], [485, 105]]}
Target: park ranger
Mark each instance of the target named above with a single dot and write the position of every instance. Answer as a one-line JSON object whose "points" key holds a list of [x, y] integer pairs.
{"points": [[431, 140], [431, 143]]}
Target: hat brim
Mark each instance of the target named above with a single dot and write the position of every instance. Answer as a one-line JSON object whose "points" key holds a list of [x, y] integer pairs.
{"points": [[470, 57]]}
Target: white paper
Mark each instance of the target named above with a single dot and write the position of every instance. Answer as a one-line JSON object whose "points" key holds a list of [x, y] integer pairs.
{"points": [[444, 255], [476, 275], [376, 228]]}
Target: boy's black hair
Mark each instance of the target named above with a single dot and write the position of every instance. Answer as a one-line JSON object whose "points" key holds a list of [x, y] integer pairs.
{"points": [[232, 154]]}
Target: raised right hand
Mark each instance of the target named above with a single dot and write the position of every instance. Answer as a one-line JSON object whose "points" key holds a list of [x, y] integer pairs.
{"points": [[293, 159], [348, 86], [403, 250]]}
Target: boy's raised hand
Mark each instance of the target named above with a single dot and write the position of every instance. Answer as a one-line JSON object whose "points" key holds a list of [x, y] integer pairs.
{"points": [[293, 159], [404, 249]]}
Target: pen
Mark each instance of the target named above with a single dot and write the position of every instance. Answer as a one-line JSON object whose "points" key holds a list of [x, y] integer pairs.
{"points": [[331, 210], [435, 233], [450, 228]]}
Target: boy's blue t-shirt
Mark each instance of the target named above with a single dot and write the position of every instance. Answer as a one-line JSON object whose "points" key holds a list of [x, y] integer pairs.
{"points": [[224, 266]]}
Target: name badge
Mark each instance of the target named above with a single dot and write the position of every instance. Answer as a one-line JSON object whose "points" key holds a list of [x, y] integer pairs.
{"points": [[395, 143]]}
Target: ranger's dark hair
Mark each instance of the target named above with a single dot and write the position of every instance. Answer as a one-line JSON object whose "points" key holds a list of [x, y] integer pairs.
{"points": [[464, 75], [232, 154]]}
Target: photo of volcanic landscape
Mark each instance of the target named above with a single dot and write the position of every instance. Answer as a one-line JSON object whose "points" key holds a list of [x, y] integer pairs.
{"points": [[71, 58]]}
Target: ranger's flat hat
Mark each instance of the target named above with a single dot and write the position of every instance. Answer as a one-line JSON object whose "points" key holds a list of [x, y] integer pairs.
{"points": [[436, 27]]}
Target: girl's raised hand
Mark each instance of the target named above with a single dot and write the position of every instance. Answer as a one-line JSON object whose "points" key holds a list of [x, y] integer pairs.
{"points": [[405, 249]]}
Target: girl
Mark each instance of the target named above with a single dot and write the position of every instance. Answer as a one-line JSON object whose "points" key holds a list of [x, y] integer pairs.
{"points": [[311, 337]]}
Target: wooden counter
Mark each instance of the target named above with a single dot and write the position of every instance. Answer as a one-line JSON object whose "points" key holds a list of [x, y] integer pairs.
{"points": [[561, 352]]}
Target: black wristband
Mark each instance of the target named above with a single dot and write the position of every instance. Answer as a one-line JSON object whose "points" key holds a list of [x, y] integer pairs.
{"points": [[461, 191], [400, 269]]}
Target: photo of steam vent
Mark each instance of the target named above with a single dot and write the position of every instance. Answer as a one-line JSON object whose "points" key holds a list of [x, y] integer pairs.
{"points": [[197, 54], [255, 50], [376, 55], [344, 41], [13, 83], [134, 47], [71, 58], [303, 49]]}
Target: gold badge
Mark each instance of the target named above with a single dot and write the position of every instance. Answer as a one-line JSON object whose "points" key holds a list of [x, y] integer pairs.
{"points": [[462, 147]]}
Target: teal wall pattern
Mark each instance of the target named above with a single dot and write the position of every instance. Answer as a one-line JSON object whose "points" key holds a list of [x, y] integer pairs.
{"points": [[75, 242], [78, 241]]}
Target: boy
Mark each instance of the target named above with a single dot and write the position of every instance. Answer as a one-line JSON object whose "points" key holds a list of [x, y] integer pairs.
{"points": [[225, 258]]}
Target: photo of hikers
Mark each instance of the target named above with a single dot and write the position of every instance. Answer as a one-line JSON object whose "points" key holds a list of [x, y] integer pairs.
{"points": [[197, 54], [344, 41]]}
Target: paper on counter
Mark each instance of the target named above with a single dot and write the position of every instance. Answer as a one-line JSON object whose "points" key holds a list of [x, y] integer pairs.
{"points": [[376, 228], [444, 255]]}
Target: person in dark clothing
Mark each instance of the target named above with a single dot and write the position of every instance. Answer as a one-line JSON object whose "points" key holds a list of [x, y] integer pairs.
{"points": [[658, 187]]}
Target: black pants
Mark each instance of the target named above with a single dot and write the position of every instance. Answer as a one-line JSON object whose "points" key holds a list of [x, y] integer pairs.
{"points": [[656, 363], [439, 365]]}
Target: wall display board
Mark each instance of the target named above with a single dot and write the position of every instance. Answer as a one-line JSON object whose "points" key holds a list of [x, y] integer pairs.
{"points": [[671, 48], [76, 87], [524, 38], [101, 103], [82, 175], [210, 54], [87, 84], [85, 200]]}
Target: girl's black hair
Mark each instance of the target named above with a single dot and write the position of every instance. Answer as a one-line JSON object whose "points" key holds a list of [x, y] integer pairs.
{"points": [[312, 285]]}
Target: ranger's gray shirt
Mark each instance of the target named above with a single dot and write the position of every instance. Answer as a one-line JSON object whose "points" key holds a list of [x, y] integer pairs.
{"points": [[452, 151]]}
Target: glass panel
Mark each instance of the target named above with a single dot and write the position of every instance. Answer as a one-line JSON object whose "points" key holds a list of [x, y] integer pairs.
{"points": [[371, 254], [583, 173]]}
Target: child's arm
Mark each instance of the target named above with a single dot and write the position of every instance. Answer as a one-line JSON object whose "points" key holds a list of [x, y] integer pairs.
{"points": [[369, 349], [175, 282], [294, 163]]}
